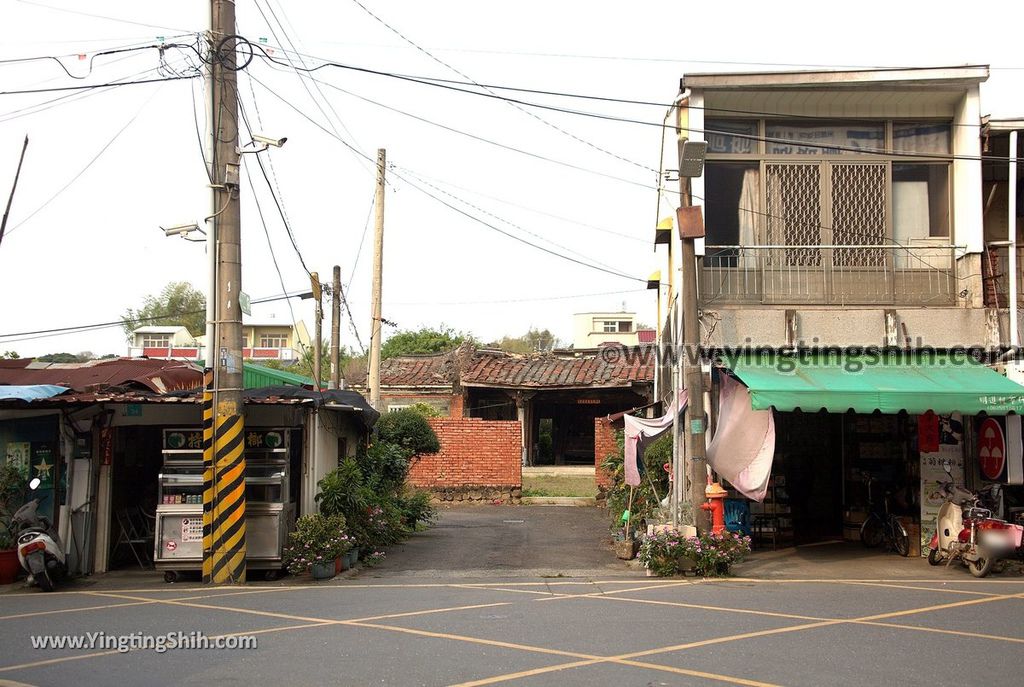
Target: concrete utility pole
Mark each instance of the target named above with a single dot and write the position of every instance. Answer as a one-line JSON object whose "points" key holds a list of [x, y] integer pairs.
{"points": [[373, 374], [336, 329], [318, 344], [694, 459], [224, 521]]}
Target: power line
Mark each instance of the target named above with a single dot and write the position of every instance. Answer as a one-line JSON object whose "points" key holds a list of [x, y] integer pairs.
{"points": [[510, 102], [101, 16], [89, 164], [93, 87], [113, 51], [524, 300]]}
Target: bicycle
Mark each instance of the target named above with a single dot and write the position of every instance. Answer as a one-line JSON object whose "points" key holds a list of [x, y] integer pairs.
{"points": [[882, 525]]}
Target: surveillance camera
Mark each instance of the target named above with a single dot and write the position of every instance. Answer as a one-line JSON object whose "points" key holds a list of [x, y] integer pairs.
{"points": [[177, 229], [266, 140]]}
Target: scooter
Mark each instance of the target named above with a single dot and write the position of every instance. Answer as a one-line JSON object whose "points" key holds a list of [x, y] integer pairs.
{"points": [[39, 548], [972, 536]]}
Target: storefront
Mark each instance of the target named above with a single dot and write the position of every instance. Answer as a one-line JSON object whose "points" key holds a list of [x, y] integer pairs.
{"points": [[891, 426]]}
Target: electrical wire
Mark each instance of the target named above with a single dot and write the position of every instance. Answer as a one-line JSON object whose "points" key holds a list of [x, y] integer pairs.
{"points": [[89, 164], [522, 300], [93, 87], [101, 16], [102, 53], [510, 102]]}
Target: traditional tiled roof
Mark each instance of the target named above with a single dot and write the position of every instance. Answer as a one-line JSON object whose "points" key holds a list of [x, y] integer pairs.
{"points": [[609, 367], [158, 376], [417, 371]]}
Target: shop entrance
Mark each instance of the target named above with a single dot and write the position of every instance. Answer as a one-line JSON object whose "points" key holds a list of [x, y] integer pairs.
{"points": [[135, 468], [818, 490]]}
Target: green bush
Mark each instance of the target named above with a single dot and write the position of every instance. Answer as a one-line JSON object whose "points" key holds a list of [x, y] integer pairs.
{"points": [[317, 538], [13, 490], [342, 491], [646, 498], [410, 430], [417, 509]]}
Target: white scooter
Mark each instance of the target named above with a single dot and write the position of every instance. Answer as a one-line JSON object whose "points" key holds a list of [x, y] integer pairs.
{"points": [[39, 548]]}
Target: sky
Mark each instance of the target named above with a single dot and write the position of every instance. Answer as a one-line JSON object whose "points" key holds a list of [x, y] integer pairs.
{"points": [[472, 180]]}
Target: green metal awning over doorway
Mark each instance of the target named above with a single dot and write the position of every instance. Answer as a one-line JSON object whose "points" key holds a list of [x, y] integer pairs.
{"points": [[837, 382]]}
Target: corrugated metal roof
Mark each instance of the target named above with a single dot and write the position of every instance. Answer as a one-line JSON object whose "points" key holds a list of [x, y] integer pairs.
{"points": [[256, 376], [159, 376], [30, 393]]}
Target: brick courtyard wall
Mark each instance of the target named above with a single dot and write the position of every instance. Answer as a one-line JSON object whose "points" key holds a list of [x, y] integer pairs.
{"points": [[604, 444], [479, 460]]}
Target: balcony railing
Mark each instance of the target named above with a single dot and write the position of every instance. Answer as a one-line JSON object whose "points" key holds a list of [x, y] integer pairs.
{"points": [[196, 353], [833, 275]]}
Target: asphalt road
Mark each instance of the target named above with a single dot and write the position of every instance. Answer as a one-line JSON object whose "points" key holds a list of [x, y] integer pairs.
{"points": [[466, 603]]}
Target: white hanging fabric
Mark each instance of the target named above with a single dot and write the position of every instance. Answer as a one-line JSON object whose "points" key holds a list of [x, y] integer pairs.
{"points": [[743, 447]]}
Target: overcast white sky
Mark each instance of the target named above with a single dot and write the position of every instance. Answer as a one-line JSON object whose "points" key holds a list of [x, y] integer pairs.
{"points": [[94, 248]]}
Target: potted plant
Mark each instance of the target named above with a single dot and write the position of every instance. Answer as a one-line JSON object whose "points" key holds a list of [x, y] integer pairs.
{"points": [[13, 486], [316, 544], [669, 552]]}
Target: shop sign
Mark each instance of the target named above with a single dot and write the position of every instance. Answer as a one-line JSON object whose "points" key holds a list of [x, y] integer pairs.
{"points": [[183, 439], [18, 453], [991, 449], [265, 438], [44, 463]]}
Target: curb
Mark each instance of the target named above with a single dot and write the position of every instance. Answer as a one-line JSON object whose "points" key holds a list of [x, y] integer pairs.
{"points": [[558, 501]]}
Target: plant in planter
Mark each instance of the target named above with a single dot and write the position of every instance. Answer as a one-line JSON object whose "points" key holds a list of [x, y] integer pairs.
{"points": [[667, 552], [13, 487], [317, 542]]}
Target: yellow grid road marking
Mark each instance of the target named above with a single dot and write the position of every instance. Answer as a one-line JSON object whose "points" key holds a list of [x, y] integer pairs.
{"points": [[681, 604], [957, 633], [926, 589]]}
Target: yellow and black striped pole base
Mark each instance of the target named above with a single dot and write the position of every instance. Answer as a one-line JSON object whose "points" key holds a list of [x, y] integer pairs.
{"points": [[223, 494]]}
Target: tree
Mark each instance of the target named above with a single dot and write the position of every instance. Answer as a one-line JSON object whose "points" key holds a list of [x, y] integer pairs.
{"points": [[178, 304], [10, 355], [425, 340], [533, 341], [62, 358]]}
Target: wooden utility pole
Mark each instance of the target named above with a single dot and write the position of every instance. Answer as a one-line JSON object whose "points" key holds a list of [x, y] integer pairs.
{"points": [[10, 198], [318, 344], [336, 329], [224, 520], [373, 375], [694, 458]]}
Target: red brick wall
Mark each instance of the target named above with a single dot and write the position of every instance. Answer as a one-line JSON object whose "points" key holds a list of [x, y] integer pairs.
{"points": [[474, 452], [604, 444], [457, 407]]}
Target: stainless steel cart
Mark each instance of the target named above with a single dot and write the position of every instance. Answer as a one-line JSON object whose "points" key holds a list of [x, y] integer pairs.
{"points": [[270, 506]]}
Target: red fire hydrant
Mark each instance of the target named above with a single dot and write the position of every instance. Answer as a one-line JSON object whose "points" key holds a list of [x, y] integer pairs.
{"points": [[715, 505]]}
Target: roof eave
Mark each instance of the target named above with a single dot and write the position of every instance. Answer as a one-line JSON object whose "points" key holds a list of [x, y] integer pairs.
{"points": [[862, 78]]}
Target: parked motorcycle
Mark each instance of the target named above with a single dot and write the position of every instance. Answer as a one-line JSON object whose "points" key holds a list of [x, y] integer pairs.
{"points": [[967, 532], [39, 548]]}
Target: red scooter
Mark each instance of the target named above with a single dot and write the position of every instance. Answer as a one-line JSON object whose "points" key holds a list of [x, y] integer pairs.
{"points": [[971, 535]]}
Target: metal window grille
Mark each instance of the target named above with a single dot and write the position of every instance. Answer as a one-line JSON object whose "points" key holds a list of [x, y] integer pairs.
{"points": [[858, 201], [793, 206]]}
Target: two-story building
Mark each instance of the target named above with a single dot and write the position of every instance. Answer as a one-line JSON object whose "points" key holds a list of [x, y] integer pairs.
{"points": [[595, 329], [262, 339], [843, 252]]}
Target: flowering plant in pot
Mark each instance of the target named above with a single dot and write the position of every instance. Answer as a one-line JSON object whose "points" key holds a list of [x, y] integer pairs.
{"points": [[13, 487], [709, 554], [318, 540]]}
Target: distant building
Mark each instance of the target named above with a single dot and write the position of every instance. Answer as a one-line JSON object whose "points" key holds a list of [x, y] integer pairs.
{"points": [[261, 340], [593, 329]]}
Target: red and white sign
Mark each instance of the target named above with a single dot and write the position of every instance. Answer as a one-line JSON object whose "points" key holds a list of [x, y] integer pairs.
{"points": [[991, 449], [172, 545]]}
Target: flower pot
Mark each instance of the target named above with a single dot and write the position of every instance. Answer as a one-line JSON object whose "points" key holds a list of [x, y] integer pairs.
{"points": [[323, 571], [625, 549], [9, 566], [340, 564], [353, 556]]}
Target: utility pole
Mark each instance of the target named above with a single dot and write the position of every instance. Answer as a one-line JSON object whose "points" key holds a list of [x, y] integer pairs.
{"points": [[318, 345], [14, 187], [224, 521], [336, 329], [694, 459], [373, 375]]}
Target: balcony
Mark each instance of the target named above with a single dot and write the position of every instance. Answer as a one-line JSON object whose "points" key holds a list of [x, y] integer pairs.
{"points": [[166, 352], [829, 275]]}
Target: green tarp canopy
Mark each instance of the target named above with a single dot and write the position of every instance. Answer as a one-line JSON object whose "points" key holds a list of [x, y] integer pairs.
{"points": [[887, 382]]}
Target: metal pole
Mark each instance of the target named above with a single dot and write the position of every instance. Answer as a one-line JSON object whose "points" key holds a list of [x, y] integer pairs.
{"points": [[224, 524], [336, 329], [694, 429], [14, 186], [1012, 225], [373, 380], [318, 344]]}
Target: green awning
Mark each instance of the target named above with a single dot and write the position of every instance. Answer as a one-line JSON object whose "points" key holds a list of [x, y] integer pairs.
{"points": [[837, 382]]}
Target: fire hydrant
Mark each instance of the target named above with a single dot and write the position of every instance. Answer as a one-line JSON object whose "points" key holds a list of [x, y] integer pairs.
{"points": [[715, 505]]}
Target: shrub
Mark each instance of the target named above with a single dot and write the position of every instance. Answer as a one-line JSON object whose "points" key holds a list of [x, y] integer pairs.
{"points": [[410, 430], [417, 510], [13, 488], [317, 539], [342, 491], [646, 498]]}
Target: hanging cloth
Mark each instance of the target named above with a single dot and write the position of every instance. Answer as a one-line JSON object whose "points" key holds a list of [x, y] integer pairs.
{"points": [[744, 443], [640, 432]]}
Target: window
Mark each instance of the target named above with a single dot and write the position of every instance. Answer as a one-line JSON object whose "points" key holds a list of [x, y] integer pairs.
{"points": [[273, 341], [625, 326], [810, 187], [396, 408], [609, 326], [156, 340]]}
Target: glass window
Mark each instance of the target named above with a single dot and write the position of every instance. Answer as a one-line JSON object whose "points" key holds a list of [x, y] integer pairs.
{"points": [[625, 326], [921, 137], [920, 201], [808, 137], [273, 341], [610, 327], [731, 135], [156, 340]]}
